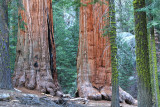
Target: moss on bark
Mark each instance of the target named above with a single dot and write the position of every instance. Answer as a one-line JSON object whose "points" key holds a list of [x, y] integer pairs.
{"points": [[112, 33], [153, 69], [142, 56]]}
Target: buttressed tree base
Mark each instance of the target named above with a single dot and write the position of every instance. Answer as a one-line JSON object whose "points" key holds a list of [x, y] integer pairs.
{"points": [[94, 55], [35, 66]]}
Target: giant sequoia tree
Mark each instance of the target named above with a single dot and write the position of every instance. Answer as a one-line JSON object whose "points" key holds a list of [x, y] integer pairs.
{"points": [[5, 72], [93, 61], [35, 66], [94, 55]]}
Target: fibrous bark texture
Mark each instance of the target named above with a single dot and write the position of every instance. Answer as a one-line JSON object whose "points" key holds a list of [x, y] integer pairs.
{"points": [[35, 66], [153, 68], [115, 79], [94, 54], [142, 56], [5, 72]]}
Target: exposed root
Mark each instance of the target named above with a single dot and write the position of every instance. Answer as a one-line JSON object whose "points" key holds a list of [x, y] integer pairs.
{"points": [[41, 81], [127, 97], [87, 91], [105, 94]]}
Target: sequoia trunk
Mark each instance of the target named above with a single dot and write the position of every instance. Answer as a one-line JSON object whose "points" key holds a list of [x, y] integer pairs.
{"points": [[94, 55], [94, 60], [35, 66]]}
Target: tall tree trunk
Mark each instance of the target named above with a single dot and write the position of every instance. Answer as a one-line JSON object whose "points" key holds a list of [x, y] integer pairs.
{"points": [[153, 69], [115, 84], [94, 55], [157, 41], [153, 63], [142, 56], [5, 72], [35, 66]]}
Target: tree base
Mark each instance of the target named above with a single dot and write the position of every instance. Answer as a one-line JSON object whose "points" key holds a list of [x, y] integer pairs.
{"points": [[104, 93], [34, 80]]}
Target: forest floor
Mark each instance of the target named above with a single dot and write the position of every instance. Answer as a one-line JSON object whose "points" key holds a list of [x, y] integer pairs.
{"points": [[32, 98]]}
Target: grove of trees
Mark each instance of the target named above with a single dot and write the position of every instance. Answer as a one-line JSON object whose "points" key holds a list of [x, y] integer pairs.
{"points": [[94, 49]]}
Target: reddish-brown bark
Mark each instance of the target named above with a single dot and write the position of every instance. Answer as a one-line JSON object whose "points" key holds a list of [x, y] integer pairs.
{"points": [[94, 55], [35, 66]]}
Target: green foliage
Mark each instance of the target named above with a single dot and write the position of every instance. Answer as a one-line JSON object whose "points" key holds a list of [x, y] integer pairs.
{"points": [[152, 9], [66, 4], [124, 16], [21, 22], [13, 29], [66, 31], [126, 61]]}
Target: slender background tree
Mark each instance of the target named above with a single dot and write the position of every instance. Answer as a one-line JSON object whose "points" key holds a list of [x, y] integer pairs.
{"points": [[153, 60], [112, 34], [142, 56], [5, 71]]}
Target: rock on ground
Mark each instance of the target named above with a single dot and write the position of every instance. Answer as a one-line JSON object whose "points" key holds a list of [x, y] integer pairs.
{"points": [[30, 98]]}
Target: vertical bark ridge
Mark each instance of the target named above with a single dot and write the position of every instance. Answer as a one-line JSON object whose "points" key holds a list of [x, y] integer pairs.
{"points": [[35, 66], [94, 54], [142, 56], [91, 60]]}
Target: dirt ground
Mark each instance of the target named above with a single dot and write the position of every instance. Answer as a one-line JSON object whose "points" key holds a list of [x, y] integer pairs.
{"points": [[17, 99]]}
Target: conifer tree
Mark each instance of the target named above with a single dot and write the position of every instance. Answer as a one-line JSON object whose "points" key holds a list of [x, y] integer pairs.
{"points": [[115, 86], [142, 56], [153, 61], [5, 72]]}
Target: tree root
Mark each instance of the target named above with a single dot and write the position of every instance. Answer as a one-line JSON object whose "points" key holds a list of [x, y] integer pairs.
{"points": [[87, 91], [105, 93], [41, 81]]}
